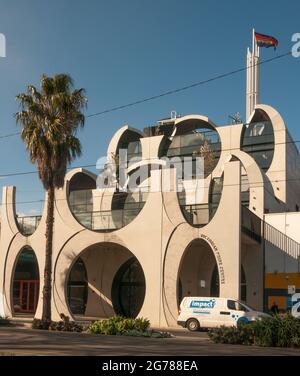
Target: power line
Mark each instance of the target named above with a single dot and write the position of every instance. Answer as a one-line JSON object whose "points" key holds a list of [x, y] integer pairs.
{"points": [[174, 91], [251, 185], [9, 135], [152, 98], [195, 84], [153, 158]]}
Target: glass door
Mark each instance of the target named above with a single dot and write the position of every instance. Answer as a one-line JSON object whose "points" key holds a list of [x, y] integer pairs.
{"points": [[25, 296]]}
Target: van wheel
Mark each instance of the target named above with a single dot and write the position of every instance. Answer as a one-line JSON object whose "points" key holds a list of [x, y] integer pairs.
{"points": [[193, 325], [242, 321]]}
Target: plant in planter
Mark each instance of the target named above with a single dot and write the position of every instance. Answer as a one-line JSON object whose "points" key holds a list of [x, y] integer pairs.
{"points": [[65, 325], [119, 325]]}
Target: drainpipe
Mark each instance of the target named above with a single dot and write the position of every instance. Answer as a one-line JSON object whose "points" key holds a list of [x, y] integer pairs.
{"points": [[264, 262]]}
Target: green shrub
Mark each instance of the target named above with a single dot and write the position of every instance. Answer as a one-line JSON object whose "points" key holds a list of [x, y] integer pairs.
{"points": [[107, 327], [119, 325], [141, 324], [40, 324], [241, 335], [265, 332], [279, 331], [65, 325]]}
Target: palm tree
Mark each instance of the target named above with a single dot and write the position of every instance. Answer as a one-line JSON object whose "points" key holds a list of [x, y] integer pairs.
{"points": [[50, 119]]}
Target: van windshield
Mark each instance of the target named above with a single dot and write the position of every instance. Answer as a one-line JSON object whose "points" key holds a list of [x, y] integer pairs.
{"points": [[238, 306], [246, 307]]}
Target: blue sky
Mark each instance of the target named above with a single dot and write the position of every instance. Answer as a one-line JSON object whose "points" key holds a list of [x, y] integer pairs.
{"points": [[121, 51]]}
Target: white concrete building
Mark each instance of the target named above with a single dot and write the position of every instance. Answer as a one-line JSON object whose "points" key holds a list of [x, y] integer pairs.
{"points": [[138, 253]]}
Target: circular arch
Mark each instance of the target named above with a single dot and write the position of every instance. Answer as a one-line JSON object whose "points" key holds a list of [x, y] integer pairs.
{"points": [[258, 139], [180, 239], [102, 260], [25, 282], [197, 265], [100, 210], [126, 138], [78, 192], [189, 123]]}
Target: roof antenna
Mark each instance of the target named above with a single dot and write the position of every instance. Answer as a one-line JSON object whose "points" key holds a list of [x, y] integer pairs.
{"points": [[173, 114]]}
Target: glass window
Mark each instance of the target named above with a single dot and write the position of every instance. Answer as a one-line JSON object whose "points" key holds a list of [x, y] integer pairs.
{"points": [[258, 141], [78, 288], [215, 195], [199, 143], [231, 304], [236, 306], [242, 307], [26, 282], [128, 290], [81, 201]]}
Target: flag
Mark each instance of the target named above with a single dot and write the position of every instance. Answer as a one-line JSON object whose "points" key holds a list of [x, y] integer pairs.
{"points": [[266, 41]]}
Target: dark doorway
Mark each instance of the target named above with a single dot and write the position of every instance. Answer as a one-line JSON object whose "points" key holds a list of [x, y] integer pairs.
{"points": [[26, 283], [215, 284], [77, 289], [128, 289]]}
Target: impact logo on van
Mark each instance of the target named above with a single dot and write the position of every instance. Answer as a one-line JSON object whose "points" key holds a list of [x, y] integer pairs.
{"points": [[203, 303]]}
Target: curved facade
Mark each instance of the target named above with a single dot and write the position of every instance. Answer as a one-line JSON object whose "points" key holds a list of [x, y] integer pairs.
{"points": [[138, 253]]}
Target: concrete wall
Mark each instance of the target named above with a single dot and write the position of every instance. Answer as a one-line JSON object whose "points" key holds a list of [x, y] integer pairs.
{"points": [[159, 236], [102, 263]]}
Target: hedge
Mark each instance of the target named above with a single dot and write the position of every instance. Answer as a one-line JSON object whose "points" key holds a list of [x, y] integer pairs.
{"points": [[275, 331]]}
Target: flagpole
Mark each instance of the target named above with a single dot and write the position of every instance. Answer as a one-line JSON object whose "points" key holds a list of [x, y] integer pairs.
{"points": [[253, 71], [253, 77], [248, 82], [256, 71]]}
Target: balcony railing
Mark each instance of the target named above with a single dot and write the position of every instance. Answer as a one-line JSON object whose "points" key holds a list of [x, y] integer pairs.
{"points": [[198, 214], [28, 224], [107, 220]]}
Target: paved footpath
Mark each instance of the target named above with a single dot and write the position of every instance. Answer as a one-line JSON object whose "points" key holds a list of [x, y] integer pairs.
{"points": [[24, 341]]}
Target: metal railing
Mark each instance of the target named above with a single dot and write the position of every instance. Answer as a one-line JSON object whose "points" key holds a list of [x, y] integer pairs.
{"points": [[107, 220], [198, 214], [281, 241], [260, 230], [251, 224], [28, 224]]}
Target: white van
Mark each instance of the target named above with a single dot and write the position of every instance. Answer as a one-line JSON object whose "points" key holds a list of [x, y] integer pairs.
{"points": [[203, 312]]}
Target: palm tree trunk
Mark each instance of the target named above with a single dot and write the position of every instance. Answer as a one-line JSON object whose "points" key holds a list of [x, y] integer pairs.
{"points": [[46, 315]]}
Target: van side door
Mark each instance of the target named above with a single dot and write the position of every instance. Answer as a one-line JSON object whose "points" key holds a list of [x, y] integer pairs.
{"points": [[232, 313]]}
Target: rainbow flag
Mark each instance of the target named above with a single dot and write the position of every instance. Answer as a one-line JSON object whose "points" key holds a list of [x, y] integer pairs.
{"points": [[266, 41]]}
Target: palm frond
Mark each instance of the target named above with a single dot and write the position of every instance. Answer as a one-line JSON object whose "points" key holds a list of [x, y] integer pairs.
{"points": [[50, 119]]}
